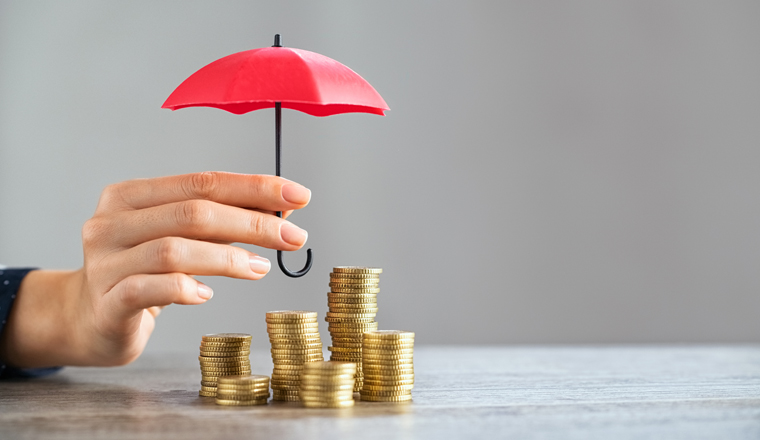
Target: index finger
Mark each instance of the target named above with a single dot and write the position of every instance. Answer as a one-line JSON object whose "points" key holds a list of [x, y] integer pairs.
{"points": [[255, 191]]}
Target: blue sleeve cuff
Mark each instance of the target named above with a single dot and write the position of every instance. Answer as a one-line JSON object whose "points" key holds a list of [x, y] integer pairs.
{"points": [[10, 281]]}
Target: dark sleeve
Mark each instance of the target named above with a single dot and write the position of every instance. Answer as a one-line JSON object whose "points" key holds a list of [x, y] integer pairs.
{"points": [[10, 281]]}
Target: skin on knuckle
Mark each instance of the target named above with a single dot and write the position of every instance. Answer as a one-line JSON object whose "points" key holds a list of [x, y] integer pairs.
{"points": [[181, 287], [169, 253], [131, 289], [202, 185], [259, 227], [193, 215], [235, 261], [92, 231]]}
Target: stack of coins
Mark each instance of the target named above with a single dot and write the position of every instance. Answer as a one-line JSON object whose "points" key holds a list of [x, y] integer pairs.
{"points": [[295, 341], [328, 384], [223, 354], [352, 302], [242, 390], [388, 366]]}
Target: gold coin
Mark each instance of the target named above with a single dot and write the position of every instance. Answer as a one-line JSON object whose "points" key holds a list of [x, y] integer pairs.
{"points": [[329, 367], [388, 388], [225, 369], [325, 376], [210, 355], [361, 312], [296, 350], [313, 346], [359, 302], [386, 383], [207, 359], [353, 345], [290, 320], [296, 355], [285, 392], [387, 376], [389, 335], [241, 402], [349, 305], [295, 368], [344, 349], [350, 320], [350, 315], [222, 345], [373, 290], [290, 314], [247, 395], [286, 398], [372, 368], [357, 269], [352, 325], [279, 334], [253, 379], [227, 337], [385, 393], [337, 398], [208, 383], [295, 361], [294, 325], [347, 338], [296, 339], [208, 389], [393, 347], [225, 350], [386, 357], [362, 280], [207, 393], [340, 404], [360, 297], [367, 362], [327, 388], [332, 284], [389, 349], [354, 275], [209, 376], [402, 398]]}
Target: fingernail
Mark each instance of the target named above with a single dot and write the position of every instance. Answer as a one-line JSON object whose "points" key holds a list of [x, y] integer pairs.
{"points": [[295, 193], [292, 234], [260, 264], [205, 291]]}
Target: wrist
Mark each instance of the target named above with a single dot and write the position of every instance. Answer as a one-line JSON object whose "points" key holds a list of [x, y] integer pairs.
{"points": [[39, 331]]}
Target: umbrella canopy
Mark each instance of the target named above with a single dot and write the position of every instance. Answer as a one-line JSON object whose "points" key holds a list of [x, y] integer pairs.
{"points": [[259, 78]]}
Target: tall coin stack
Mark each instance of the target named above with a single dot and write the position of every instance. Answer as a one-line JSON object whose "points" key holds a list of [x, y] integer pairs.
{"points": [[242, 390], [295, 341], [328, 384], [387, 360], [223, 354], [352, 303]]}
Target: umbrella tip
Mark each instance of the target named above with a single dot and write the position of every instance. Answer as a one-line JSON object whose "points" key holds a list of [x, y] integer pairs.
{"points": [[277, 41]]}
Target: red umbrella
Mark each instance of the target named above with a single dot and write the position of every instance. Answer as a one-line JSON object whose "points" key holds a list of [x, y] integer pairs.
{"points": [[279, 77]]}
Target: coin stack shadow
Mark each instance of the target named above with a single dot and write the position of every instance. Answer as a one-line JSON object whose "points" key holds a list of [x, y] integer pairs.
{"points": [[327, 384], [295, 340], [352, 303], [223, 354], [387, 360], [242, 390]]}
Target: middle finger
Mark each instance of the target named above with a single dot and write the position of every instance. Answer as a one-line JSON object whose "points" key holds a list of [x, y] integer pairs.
{"points": [[204, 220]]}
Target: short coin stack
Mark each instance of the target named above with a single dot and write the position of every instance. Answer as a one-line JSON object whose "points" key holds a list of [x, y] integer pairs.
{"points": [[352, 303], [388, 366], [223, 354], [242, 390], [328, 384], [295, 341]]}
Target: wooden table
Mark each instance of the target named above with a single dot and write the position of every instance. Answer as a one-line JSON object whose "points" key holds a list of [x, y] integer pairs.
{"points": [[616, 392]]}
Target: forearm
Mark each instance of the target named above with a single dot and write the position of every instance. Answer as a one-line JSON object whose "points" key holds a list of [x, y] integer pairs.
{"points": [[38, 332]]}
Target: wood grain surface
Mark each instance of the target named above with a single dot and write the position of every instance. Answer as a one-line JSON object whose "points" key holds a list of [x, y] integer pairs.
{"points": [[609, 392]]}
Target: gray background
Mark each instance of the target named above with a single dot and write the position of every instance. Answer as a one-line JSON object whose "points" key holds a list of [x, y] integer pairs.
{"points": [[550, 172]]}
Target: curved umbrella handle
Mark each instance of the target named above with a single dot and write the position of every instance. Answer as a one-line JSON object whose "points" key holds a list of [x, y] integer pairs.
{"points": [[285, 269]]}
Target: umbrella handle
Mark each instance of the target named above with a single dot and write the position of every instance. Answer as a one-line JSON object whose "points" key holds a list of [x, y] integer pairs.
{"points": [[278, 149], [285, 269]]}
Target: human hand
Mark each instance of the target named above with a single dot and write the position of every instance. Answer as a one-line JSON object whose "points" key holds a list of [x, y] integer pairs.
{"points": [[141, 248]]}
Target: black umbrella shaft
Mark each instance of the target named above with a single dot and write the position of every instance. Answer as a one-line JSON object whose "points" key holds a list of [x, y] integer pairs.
{"points": [[278, 135]]}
